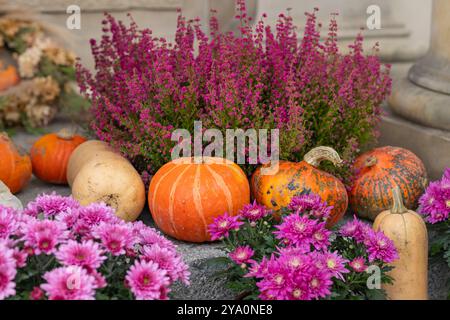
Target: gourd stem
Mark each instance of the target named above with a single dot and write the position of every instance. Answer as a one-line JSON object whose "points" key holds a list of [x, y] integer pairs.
{"points": [[65, 133], [315, 156], [397, 201]]}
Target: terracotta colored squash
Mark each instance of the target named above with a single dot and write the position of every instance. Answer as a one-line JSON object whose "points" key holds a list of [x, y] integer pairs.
{"points": [[50, 155], [185, 197], [110, 178], [408, 232], [375, 174], [276, 191], [85, 152], [15, 168], [8, 78]]}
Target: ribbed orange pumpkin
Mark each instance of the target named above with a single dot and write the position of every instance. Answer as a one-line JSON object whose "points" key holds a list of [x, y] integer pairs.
{"points": [[377, 172], [8, 78], [276, 191], [50, 155], [185, 197], [15, 168]]}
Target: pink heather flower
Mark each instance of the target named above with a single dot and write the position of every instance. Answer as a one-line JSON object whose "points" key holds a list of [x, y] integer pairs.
{"points": [[146, 280], [358, 264], [167, 260], [311, 204], [242, 254], [36, 294], [335, 263], [222, 225], [86, 254], [7, 271], [116, 238], [50, 205], [355, 229], [254, 211], [380, 247], [44, 235], [298, 230], [69, 283]]}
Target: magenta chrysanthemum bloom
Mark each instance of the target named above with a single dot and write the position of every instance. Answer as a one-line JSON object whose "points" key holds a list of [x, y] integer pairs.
{"points": [[36, 294], [298, 230], [50, 205], [168, 260], [242, 254], [311, 204], [146, 280], [91, 216], [335, 263], [7, 271], [358, 264], [321, 237], [69, 283], [254, 211], [20, 256], [380, 247], [8, 222], [44, 235], [355, 229], [100, 281], [116, 238], [86, 254], [222, 225], [435, 202], [149, 236]]}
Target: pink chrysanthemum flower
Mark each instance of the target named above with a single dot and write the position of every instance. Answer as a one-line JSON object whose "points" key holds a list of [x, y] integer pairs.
{"points": [[50, 205], [20, 256], [355, 229], [321, 237], [149, 236], [36, 294], [222, 225], [86, 254], [8, 222], [100, 281], [242, 254], [146, 280], [380, 247], [7, 271], [116, 238], [311, 204], [69, 283], [335, 263], [168, 260], [358, 264], [93, 215], [254, 211], [320, 283], [298, 230], [435, 202], [44, 235]]}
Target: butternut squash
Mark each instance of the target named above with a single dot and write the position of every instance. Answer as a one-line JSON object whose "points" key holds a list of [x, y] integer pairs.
{"points": [[409, 233]]}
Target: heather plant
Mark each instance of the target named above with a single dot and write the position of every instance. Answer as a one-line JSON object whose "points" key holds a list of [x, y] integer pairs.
{"points": [[295, 257], [144, 87], [56, 249]]}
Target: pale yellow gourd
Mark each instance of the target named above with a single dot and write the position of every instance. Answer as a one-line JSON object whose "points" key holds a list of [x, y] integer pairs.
{"points": [[408, 232]]}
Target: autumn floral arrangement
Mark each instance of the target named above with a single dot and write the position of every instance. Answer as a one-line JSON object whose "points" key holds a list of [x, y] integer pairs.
{"points": [[295, 257], [57, 249], [145, 87], [36, 73], [434, 204]]}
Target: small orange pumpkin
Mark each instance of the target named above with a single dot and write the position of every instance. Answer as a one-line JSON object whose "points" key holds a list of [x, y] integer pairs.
{"points": [[15, 168], [292, 178], [377, 172], [8, 78], [50, 155], [184, 196]]}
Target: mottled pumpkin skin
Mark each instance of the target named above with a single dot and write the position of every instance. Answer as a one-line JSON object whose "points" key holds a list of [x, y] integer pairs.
{"points": [[276, 191], [50, 156], [15, 168], [8, 78], [185, 197], [371, 191]]}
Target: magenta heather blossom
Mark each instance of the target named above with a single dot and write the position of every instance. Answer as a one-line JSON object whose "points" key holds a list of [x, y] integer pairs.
{"points": [[44, 235], [222, 225], [69, 283], [116, 238], [435, 202], [242, 255], [146, 280], [261, 77], [254, 211], [380, 247], [358, 264], [50, 205], [86, 254]]}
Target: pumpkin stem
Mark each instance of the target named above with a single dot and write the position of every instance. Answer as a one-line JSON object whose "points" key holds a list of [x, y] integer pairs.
{"points": [[316, 155], [397, 205], [66, 134], [370, 161]]}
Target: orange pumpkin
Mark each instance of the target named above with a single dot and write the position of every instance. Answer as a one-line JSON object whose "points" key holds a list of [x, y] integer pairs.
{"points": [[15, 168], [50, 155], [293, 178], [185, 197], [377, 172], [8, 78]]}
